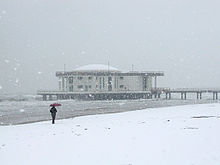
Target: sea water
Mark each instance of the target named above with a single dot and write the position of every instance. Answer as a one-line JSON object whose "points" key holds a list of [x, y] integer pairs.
{"points": [[20, 109]]}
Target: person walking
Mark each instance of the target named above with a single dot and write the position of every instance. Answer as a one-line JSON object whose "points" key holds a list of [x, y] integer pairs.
{"points": [[53, 112]]}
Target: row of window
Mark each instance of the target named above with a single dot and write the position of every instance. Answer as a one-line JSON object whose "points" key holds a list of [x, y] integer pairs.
{"points": [[89, 78], [87, 86]]}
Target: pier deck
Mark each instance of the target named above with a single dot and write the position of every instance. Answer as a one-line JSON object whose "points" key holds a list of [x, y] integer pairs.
{"points": [[50, 95], [156, 93], [184, 91]]}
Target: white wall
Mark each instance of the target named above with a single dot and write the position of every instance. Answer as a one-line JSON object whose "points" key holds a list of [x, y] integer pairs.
{"points": [[100, 83]]}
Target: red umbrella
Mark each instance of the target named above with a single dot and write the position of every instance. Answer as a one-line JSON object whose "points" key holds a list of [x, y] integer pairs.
{"points": [[55, 104]]}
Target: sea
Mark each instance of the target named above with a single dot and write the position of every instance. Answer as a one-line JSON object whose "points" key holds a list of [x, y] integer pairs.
{"points": [[23, 109]]}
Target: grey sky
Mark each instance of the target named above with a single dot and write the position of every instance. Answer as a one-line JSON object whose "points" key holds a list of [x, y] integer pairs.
{"points": [[179, 37]]}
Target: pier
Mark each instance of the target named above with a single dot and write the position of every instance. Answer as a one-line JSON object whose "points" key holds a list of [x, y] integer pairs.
{"points": [[154, 93], [184, 91], [62, 95]]}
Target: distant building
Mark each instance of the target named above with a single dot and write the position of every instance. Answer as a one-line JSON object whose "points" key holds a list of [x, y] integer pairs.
{"points": [[104, 78], [97, 81]]}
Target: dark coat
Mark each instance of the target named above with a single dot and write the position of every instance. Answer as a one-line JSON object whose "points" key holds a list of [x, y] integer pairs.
{"points": [[53, 110]]}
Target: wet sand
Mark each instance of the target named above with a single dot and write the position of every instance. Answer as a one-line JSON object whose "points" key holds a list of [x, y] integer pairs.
{"points": [[22, 112]]}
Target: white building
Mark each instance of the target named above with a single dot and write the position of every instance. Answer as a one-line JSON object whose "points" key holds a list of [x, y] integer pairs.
{"points": [[104, 78], [100, 82]]}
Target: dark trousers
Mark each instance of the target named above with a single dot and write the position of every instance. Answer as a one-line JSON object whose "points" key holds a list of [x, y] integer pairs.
{"points": [[53, 117]]}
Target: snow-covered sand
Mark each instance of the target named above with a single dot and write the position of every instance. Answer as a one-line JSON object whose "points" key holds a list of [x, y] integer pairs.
{"points": [[182, 135]]}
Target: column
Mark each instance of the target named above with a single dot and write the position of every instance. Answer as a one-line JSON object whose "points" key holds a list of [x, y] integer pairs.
{"points": [[44, 97], [181, 95], [50, 97]]}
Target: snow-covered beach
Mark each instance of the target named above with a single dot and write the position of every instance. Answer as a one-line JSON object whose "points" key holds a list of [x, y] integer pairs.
{"points": [[183, 135]]}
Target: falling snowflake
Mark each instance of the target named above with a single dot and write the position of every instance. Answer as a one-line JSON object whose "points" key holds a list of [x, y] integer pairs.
{"points": [[22, 110], [0, 87], [83, 52], [39, 72], [6, 61], [17, 83], [17, 80], [3, 12]]}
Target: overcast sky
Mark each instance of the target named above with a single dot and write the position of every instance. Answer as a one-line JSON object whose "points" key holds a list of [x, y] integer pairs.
{"points": [[179, 37]]}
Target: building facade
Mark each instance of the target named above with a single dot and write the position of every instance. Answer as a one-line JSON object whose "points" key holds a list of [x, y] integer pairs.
{"points": [[104, 78], [102, 82]]}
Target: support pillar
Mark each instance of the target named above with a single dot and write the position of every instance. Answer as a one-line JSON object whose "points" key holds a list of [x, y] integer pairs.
{"points": [[155, 82], [159, 95], [50, 97], [44, 97], [213, 95]]}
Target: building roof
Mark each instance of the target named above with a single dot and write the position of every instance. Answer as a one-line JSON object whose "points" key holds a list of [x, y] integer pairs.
{"points": [[96, 68]]}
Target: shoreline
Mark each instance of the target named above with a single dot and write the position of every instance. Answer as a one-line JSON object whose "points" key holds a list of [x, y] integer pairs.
{"points": [[106, 107]]}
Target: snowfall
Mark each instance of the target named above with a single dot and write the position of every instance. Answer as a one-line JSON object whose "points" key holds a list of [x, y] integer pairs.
{"points": [[181, 135]]}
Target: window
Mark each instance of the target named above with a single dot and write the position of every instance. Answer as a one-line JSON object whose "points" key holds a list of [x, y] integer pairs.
{"points": [[103, 82], [80, 86], [71, 88], [70, 80], [89, 78], [109, 83], [109, 80], [121, 86], [100, 83], [79, 78], [60, 85], [121, 78], [90, 86]]}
